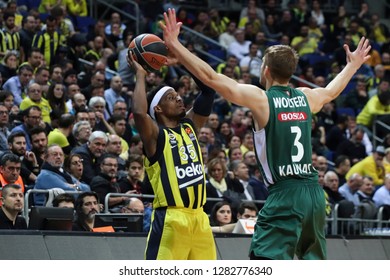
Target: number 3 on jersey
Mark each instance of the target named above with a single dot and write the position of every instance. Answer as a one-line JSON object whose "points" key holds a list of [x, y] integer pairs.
{"points": [[296, 130]]}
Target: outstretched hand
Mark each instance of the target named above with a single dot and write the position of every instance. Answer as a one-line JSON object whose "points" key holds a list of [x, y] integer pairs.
{"points": [[171, 31], [360, 55], [170, 28]]}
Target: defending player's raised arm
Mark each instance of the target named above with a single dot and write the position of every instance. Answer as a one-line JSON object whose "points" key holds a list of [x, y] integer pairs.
{"points": [[319, 96], [147, 128], [226, 87]]}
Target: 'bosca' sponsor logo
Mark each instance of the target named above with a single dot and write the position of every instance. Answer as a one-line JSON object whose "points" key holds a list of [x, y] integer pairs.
{"points": [[188, 175], [292, 116]]}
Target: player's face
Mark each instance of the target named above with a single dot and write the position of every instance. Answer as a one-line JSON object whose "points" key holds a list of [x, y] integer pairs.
{"points": [[173, 105]]}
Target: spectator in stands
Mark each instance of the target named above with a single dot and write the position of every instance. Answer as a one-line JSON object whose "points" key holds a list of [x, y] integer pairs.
{"points": [[218, 23], [9, 65], [135, 205], [371, 166], [46, 6], [136, 145], [77, 8], [328, 116], [87, 206], [41, 77], [353, 147], [97, 104], [53, 175], [121, 109], [382, 195], [227, 37], [221, 214], [35, 98], [224, 133], [27, 33], [56, 75], [252, 63], [247, 210], [367, 189], [97, 79], [18, 84], [322, 163], [78, 102], [64, 200], [251, 18], [39, 145], [61, 135], [240, 47], [221, 183], [239, 123], [357, 97], [288, 25], [56, 97], [349, 189], [4, 131], [252, 6], [213, 122], [377, 105], [70, 78], [124, 70], [17, 146], [115, 18], [271, 28], [114, 93], [241, 172], [383, 86], [318, 137], [304, 44], [81, 132], [379, 32], [12, 201], [135, 173], [351, 128], [114, 147], [232, 62], [90, 153], [247, 143], [106, 182], [74, 166], [331, 187], [336, 135], [48, 40], [10, 165], [342, 164]]}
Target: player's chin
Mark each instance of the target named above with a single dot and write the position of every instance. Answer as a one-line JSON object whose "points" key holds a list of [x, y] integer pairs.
{"points": [[182, 113]]}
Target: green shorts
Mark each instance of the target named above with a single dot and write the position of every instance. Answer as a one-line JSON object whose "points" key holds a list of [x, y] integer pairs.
{"points": [[292, 221]]}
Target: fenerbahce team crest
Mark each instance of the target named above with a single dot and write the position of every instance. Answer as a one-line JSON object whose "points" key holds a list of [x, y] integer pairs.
{"points": [[190, 173]]}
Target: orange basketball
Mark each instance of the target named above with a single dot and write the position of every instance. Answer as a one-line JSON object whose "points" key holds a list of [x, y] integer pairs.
{"points": [[149, 51]]}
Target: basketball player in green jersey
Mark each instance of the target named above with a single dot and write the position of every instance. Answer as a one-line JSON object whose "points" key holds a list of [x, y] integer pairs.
{"points": [[293, 218], [180, 229]]}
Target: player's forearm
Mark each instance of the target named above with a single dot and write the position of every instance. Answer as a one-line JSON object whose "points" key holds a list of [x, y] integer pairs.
{"points": [[338, 84], [194, 64], [140, 105]]}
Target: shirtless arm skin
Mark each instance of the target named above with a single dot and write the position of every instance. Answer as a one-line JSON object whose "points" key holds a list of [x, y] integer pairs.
{"points": [[250, 96], [245, 95], [319, 96], [147, 128]]}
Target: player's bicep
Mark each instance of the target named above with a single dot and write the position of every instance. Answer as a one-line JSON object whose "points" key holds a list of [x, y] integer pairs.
{"points": [[316, 97], [148, 131], [231, 90]]}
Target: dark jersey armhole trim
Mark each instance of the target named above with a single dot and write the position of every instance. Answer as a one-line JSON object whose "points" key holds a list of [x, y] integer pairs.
{"points": [[159, 148]]}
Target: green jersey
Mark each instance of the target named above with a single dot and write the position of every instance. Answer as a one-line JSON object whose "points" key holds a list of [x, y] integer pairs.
{"points": [[283, 147]]}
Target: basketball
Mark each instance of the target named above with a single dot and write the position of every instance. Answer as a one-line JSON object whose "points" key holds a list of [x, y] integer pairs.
{"points": [[149, 51]]}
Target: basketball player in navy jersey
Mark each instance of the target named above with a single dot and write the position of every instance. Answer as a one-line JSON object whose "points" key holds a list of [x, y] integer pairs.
{"points": [[292, 220]]}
